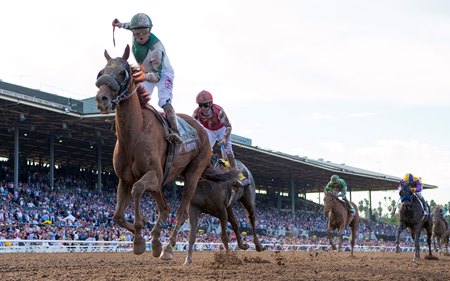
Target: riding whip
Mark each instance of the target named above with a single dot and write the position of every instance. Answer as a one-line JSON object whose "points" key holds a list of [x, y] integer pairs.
{"points": [[114, 39]]}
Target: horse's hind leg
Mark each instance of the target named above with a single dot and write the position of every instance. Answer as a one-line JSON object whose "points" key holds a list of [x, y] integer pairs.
{"points": [[181, 216], [250, 207], [194, 213], [163, 214], [123, 198], [235, 227]]}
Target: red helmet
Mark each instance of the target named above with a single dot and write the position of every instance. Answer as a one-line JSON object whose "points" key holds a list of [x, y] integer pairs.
{"points": [[204, 97]]}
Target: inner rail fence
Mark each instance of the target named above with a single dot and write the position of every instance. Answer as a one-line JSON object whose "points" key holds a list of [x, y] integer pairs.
{"points": [[75, 246]]}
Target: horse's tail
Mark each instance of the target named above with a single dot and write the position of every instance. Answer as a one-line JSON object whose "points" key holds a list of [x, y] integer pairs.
{"points": [[213, 173]]}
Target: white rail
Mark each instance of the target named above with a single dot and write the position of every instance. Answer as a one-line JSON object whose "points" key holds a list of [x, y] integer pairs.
{"points": [[70, 246]]}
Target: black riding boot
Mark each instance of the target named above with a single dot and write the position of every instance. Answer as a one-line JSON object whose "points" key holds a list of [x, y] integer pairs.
{"points": [[241, 181], [424, 204], [350, 206], [174, 135]]}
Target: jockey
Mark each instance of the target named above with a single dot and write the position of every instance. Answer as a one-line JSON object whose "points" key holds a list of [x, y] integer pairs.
{"points": [[218, 127], [341, 186], [415, 184], [155, 67]]}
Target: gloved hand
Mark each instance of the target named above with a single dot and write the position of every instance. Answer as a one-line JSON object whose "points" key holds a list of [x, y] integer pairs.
{"points": [[116, 23]]}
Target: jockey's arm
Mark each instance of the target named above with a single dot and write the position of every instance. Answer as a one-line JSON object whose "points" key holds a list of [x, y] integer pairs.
{"points": [[226, 122]]}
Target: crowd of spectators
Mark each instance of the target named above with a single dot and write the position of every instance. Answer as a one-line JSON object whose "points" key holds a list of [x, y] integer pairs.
{"points": [[74, 209]]}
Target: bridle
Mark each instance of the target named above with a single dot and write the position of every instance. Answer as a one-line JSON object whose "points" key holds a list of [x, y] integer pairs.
{"points": [[114, 83]]}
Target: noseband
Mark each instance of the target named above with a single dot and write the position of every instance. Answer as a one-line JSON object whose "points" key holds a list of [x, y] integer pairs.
{"points": [[115, 84]]}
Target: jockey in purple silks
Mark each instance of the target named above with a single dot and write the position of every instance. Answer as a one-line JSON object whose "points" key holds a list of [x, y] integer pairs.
{"points": [[415, 184]]}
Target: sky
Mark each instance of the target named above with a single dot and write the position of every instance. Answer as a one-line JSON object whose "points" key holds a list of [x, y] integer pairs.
{"points": [[365, 83]]}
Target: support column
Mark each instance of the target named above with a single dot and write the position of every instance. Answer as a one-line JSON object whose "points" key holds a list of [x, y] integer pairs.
{"points": [[99, 165], [52, 161], [16, 156], [279, 188], [292, 191], [370, 204]]}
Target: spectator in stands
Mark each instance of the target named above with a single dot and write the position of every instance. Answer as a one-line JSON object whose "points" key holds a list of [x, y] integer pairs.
{"points": [[340, 186], [218, 127], [156, 70], [415, 183]]}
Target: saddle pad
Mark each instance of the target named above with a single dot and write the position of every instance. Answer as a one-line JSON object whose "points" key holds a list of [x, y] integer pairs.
{"points": [[187, 132]]}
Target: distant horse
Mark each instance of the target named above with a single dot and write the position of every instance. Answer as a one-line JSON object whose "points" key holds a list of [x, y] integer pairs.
{"points": [[412, 216], [339, 217], [141, 154], [440, 230], [212, 197]]}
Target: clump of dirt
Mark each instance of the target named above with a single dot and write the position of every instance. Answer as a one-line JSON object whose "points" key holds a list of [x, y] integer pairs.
{"points": [[225, 259], [279, 259], [255, 260]]}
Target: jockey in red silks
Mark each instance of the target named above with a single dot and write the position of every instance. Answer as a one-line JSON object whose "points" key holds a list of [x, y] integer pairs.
{"points": [[415, 184], [218, 127]]}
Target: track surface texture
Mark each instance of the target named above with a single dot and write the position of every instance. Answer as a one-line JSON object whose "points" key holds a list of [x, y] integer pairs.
{"points": [[237, 265]]}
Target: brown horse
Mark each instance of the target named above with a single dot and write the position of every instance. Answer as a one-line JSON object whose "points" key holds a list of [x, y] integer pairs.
{"points": [[212, 197], [140, 155], [440, 230], [339, 217]]}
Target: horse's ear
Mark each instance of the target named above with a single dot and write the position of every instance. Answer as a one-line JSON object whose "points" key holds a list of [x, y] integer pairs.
{"points": [[107, 56], [126, 54]]}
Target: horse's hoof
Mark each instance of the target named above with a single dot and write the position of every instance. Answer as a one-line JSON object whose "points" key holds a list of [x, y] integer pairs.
{"points": [[138, 245], [259, 248], [188, 261], [244, 246], [166, 255], [156, 248]]}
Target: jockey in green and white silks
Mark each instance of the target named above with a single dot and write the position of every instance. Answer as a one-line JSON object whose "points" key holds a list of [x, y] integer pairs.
{"points": [[154, 64], [341, 186]]}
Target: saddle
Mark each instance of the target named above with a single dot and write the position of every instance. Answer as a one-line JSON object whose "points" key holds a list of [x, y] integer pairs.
{"points": [[187, 133]]}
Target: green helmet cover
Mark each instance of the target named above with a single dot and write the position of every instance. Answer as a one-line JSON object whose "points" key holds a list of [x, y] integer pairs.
{"points": [[140, 21]]}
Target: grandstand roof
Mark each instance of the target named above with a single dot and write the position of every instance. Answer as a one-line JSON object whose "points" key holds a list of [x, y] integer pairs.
{"points": [[77, 131]]}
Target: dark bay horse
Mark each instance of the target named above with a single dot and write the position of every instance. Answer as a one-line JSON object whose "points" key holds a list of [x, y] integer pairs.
{"points": [[140, 155], [339, 217], [212, 197], [411, 216], [440, 230]]}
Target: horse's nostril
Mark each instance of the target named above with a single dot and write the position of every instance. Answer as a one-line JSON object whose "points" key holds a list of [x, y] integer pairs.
{"points": [[104, 98]]}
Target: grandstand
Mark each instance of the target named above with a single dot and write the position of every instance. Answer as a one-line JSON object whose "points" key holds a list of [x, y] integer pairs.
{"points": [[44, 128], [56, 164]]}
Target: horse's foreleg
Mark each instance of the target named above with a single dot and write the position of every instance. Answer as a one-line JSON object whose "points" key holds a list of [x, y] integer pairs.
{"points": [[340, 236], [330, 238], [397, 240], [416, 243], [223, 231], [194, 213], [123, 198], [146, 182], [235, 227]]}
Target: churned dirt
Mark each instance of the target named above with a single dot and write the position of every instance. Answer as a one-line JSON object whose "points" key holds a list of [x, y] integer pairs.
{"points": [[240, 265]]}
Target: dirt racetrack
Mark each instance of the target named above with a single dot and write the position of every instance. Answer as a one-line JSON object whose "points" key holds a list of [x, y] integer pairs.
{"points": [[238, 265]]}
